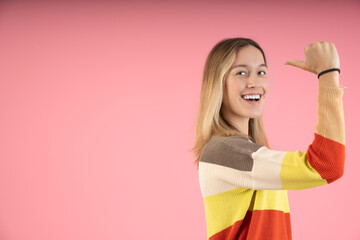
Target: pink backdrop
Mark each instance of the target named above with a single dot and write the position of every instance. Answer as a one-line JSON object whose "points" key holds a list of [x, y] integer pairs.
{"points": [[98, 101]]}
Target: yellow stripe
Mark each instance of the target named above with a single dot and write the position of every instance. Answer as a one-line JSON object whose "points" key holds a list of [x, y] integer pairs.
{"points": [[297, 173], [271, 200], [224, 209]]}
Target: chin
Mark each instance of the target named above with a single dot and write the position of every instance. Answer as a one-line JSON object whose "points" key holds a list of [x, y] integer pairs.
{"points": [[255, 115]]}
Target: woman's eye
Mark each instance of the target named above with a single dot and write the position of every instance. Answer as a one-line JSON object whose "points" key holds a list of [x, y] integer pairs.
{"points": [[241, 73], [262, 73]]}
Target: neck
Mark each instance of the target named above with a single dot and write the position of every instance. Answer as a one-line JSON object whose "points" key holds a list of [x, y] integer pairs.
{"points": [[241, 124]]}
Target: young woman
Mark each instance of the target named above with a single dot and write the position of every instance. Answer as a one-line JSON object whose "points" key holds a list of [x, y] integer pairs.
{"points": [[242, 181]]}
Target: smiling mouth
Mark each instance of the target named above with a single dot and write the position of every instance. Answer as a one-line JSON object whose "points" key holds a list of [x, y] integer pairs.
{"points": [[252, 97]]}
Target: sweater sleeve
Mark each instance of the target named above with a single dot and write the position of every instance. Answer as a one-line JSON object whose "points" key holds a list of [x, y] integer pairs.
{"points": [[230, 162]]}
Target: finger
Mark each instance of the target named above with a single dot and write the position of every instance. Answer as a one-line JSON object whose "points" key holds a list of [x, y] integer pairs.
{"points": [[295, 63]]}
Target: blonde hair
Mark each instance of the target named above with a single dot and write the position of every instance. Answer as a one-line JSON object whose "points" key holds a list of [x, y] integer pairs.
{"points": [[209, 120]]}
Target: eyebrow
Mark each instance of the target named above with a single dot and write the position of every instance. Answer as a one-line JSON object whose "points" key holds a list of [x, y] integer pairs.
{"points": [[244, 65]]}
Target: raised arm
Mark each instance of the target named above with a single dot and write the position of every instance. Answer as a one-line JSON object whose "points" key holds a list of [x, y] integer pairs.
{"points": [[227, 162]]}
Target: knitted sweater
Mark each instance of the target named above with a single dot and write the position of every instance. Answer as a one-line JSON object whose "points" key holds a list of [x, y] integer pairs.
{"points": [[244, 184]]}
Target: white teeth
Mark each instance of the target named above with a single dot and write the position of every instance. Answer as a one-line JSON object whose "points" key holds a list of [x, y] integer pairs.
{"points": [[251, 97]]}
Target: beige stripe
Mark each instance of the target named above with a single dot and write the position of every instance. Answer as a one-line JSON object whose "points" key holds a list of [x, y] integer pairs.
{"points": [[330, 122], [266, 170], [215, 179]]}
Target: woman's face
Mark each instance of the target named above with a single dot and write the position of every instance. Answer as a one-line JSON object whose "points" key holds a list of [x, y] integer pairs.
{"points": [[245, 86]]}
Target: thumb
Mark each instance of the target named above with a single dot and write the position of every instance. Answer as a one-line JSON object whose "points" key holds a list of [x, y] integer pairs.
{"points": [[296, 63]]}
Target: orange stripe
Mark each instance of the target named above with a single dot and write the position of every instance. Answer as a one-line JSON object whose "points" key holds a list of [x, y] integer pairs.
{"points": [[270, 224], [259, 224], [327, 157], [230, 233]]}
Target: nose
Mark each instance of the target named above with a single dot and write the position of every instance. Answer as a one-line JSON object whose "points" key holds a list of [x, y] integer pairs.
{"points": [[253, 81]]}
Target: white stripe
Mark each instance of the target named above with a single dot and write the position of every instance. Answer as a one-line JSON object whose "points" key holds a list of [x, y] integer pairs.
{"points": [[215, 179], [265, 175], [266, 170]]}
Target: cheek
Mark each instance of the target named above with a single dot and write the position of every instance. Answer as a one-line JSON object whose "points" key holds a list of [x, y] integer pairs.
{"points": [[235, 93], [231, 88], [238, 87], [265, 85], [234, 88]]}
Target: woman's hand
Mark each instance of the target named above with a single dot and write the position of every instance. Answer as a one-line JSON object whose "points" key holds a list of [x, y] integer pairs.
{"points": [[319, 56]]}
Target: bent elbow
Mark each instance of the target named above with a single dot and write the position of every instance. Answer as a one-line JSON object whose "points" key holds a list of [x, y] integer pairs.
{"points": [[336, 174], [328, 162]]}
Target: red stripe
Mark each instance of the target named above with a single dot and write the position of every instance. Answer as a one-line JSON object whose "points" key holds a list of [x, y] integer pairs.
{"points": [[259, 224], [230, 233], [327, 157]]}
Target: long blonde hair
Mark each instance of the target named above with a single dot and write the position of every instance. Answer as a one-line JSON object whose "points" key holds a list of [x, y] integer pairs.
{"points": [[209, 120]]}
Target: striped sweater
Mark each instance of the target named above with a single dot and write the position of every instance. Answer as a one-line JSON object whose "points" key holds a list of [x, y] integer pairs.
{"points": [[244, 184]]}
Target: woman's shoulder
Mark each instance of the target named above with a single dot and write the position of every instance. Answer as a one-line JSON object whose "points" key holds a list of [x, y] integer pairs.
{"points": [[219, 147], [237, 142]]}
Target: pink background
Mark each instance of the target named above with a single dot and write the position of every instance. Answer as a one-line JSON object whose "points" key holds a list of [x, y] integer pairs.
{"points": [[98, 102]]}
